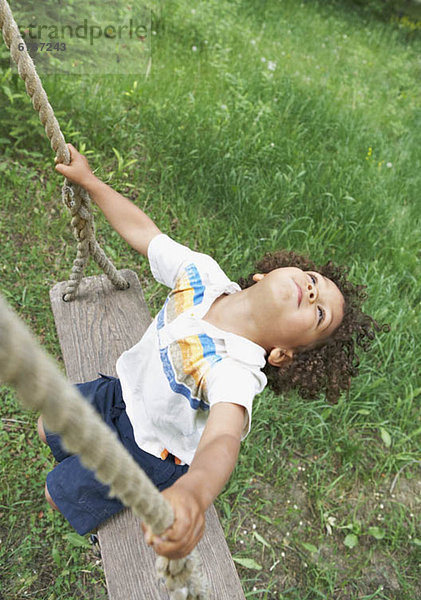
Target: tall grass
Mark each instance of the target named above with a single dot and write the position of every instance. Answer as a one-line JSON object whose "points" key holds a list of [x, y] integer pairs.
{"points": [[262, 125]]}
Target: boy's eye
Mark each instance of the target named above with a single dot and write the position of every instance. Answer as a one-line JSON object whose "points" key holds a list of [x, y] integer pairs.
{"points": [[321, 315], [313, 278]]}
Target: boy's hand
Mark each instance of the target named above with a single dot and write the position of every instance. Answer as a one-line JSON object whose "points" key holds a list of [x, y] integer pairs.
{"points": [[188, 527], [78, 170], [195, 491]]}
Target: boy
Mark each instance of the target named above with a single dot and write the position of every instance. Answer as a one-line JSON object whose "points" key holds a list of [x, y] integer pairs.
{"points": [[184, 392]]}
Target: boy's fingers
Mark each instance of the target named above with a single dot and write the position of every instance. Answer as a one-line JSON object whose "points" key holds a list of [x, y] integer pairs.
{"points": [[60, 168], [178, 549], [147, 532], [59, 163], [72, 151], [178, 546], [181, 527]]}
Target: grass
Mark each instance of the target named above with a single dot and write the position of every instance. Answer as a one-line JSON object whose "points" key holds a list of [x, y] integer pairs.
{"points": [[316, 149]]}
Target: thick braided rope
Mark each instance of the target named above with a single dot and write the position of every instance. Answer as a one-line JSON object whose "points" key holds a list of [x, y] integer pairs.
{"points": [[75, 197], [41, 386]]}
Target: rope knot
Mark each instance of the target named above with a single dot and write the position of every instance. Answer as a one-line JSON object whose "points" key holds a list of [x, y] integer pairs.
{"points": [[68, 196]]}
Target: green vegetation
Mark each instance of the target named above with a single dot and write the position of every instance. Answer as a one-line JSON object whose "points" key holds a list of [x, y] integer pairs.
{"points": [[261, 125]]}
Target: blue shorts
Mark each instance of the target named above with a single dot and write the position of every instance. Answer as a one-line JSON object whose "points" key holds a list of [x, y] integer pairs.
{"points": [[79, 496]]}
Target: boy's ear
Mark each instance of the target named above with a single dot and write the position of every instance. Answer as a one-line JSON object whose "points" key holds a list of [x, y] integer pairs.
{"points": [[278, 357], [257, 277]]}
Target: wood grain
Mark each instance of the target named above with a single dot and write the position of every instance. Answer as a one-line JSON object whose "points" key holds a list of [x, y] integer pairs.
{"points": [[93, 331]]}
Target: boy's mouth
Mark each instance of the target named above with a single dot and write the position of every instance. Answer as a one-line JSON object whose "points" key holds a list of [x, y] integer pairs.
{"points": [[299, 293]]}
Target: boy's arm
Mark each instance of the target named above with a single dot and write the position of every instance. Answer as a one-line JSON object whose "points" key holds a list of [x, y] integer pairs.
{"points": [[195, 491], [125, 217]]}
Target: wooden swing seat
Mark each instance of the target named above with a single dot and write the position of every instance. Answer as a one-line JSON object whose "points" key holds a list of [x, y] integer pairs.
{"points": [[93, 331]]}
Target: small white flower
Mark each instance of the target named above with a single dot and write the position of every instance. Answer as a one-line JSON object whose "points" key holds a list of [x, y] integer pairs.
{"points": [[271, 65], [381, 506], [153, 32], [330, 523], [194, 48], [205, 42], [224, 107], [283, 554], [263, 59], [344, 36], [283, 53], [272, 145], [253, 42], [241, 542], [296, 507], [245, 531], [193, 11], [389, 165], [254, 526]]}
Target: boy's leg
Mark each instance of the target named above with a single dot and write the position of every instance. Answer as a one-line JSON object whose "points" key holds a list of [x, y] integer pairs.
{"points": [[95, 392], [49, 499], [41, 431], [74, 491]]}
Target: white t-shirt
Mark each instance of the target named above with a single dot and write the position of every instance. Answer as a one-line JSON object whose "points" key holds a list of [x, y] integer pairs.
{"points": [[183, 365]]}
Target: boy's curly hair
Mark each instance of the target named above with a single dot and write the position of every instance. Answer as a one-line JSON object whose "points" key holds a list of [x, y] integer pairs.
{"points": [[327, 368]]}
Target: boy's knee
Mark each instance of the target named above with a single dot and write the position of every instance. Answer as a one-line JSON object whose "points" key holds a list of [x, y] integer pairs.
{"points": [[49, 499], [41, 432]]}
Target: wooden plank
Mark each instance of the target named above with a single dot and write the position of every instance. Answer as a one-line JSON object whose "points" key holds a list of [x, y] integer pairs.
{"points": [[99, 325], [122, 539], [93, 331]]}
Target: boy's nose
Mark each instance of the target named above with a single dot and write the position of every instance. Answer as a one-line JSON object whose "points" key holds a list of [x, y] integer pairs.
{"points": [[312, 292]]}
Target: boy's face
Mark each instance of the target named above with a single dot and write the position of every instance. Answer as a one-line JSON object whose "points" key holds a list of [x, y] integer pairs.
{"points": [[301, 308]]}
